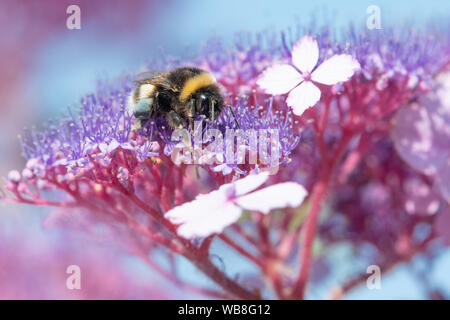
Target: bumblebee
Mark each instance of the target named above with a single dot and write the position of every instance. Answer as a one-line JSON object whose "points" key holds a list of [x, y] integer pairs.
{"points": [[178, 96]]}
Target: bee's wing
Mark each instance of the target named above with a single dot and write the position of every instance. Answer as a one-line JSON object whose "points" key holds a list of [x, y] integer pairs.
{"points": [[142, 77], [156, 78]]}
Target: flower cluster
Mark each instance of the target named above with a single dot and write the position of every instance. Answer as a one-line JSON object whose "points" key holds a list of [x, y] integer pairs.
{"points": [[366, 157]]}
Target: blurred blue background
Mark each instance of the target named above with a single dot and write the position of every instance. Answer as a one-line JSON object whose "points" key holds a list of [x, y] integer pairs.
{"points": [[46, 67]]}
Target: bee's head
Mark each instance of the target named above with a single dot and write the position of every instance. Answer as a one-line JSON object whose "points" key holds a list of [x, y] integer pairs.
{"points": [[207, 99]]}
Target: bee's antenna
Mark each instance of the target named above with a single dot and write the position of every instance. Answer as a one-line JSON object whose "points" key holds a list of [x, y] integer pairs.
{"points": [[234, 116]]}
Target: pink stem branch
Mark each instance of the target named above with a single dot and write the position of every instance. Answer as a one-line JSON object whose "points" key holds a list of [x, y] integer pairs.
{"points": [[309, 231], [309, 228], [241, 250]]}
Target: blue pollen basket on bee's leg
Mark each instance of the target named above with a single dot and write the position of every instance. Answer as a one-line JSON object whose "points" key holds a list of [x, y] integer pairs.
{"points": [[142, 112]]}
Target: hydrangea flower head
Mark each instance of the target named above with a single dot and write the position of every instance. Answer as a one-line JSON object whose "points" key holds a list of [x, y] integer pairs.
{"points": [[375, 158]]}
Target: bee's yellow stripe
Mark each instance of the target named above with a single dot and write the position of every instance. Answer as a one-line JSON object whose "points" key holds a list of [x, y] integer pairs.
{"points": [[195, 83]]}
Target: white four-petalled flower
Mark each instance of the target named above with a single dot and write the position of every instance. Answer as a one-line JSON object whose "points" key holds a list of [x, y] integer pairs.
{"points": [[213, 212], [298, 79]]}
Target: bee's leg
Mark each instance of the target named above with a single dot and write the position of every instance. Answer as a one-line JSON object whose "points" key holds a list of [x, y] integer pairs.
{"points": [[212, 102], [191, 124], [234, 116], [140, 123], [191, 114], [174, 120], [199, 102], [137, 125]]}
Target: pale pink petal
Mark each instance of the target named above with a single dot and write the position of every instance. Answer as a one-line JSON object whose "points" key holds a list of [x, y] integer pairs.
{"points": [[247, 184], [287, 194], [206, 215], [336, 69], [305, 54], [304, 96], [190, 210], [212, 212], [279, 79], [212, 222]]}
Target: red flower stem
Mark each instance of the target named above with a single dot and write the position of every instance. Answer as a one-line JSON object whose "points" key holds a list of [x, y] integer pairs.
{"points": [[198, 257], [309, 228], [41, 202], [264, 234], [277, 284], [324, 116], [286, 243], [167, 189], [239, 230], [309, 232], [181, 284], [241, 250], [153, 213], [385, 266], [352, 160], [159, 238], [179, 194], [206, 244], [156, 175], [207, 267]]}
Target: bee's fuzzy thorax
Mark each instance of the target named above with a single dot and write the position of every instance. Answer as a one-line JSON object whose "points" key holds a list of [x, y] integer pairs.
{"points": [[195, 83]]}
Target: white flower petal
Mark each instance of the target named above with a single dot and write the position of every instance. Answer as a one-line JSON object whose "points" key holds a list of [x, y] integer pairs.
{"points": [[212, 212], [304, 96], [336, 69], [279, 79], [103, 147], [204, 216], [127, 146], [245, 185], [287, 194], [305, 54], [212, 222], [224, 168], [112, 146]]}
